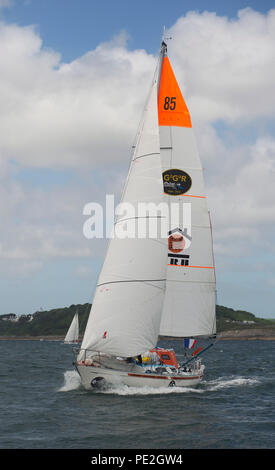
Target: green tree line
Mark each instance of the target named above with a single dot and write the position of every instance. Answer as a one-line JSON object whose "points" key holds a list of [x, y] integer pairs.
{"points": [[56, 322]]}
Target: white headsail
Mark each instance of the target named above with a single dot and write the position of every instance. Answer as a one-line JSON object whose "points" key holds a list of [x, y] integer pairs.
{"points": [[189, 304]]}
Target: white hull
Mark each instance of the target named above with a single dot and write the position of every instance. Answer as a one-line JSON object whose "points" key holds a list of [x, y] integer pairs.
{"points": [[111, 377]]}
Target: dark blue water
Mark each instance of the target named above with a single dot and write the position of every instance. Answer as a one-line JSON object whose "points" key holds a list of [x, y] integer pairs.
{"points": [[43, 406]]}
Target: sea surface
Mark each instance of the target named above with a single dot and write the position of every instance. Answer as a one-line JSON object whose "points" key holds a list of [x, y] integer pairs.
{"points": [[43, 405]]}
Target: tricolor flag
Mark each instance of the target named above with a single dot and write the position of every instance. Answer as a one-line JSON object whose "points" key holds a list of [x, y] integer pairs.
{"points": [[189, 343]]}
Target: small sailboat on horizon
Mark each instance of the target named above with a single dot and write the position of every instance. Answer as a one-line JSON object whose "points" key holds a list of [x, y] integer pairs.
{"points": [[72, 335], [156, 288]]}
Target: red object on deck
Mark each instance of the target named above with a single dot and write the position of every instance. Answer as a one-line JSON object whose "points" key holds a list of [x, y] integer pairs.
{"points": [[167, 356]]}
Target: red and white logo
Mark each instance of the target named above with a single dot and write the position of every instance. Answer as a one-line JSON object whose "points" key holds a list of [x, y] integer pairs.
{"points": [[178, 240]]}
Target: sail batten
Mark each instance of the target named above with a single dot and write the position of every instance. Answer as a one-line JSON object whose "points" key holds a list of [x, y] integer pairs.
{"points": [[131, 280], [146, 155]]}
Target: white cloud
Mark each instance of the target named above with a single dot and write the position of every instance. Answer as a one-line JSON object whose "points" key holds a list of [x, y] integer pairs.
{"points": [[86, 112], [84, 272], [242, 200], [61, 115], [5, 3], [84, 115], [272, 282], [227, 66], [44, 223]]}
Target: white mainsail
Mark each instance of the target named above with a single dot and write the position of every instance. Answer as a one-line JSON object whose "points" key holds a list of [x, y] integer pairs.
{"points": [[190, 297], [126, 310], [73, 331]]}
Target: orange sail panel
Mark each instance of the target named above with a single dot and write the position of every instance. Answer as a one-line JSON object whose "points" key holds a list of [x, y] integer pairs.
{"points": [[172, 109]]}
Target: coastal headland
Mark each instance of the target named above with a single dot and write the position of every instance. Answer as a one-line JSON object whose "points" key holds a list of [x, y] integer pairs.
{"points": [[52, 325]]}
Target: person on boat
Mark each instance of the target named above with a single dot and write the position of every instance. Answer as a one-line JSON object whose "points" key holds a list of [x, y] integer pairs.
{"points": [[139, 359], [129, 360]]}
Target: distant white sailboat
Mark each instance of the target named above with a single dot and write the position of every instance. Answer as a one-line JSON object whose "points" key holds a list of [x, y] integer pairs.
{"points": [[72, 335], [155, 288]]}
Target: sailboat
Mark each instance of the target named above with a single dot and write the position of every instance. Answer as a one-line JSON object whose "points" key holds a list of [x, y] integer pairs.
{"points": [[72, 335], [155, 288]]}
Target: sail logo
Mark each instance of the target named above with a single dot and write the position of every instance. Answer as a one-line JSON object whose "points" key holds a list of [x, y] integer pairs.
{"points": [[176, 182], [178, 241]]}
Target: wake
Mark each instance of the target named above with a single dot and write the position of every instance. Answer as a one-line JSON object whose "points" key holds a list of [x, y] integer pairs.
{"points": [[125, 390], [223, 383], [204, 387], [71, 381]]}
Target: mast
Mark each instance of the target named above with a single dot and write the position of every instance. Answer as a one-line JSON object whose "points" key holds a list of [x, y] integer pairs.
{"points": [[162, 54]]}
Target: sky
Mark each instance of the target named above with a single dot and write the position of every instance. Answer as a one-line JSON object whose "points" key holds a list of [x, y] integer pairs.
{"points": [[74, 76]]}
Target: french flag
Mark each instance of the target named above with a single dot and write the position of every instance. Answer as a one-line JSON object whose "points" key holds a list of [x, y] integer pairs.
{"points": [[189, 343]]}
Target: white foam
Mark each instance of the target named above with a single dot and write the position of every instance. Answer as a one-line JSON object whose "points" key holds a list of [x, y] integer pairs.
{"points": [[227, 383], [125, 390], [71, 381]]}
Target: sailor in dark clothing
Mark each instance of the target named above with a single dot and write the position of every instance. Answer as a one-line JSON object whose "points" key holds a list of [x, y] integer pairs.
{"points": [[139, 359]]}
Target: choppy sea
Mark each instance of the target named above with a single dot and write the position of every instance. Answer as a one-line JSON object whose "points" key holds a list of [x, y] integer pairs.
{"points": [[43, 405]]}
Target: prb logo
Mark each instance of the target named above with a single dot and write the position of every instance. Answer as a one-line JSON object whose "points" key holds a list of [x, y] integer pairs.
{"points": [[178, 240]]}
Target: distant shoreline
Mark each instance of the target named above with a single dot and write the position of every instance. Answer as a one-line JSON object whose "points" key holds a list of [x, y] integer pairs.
{"points": [[229, 335], [31, 338], [249, 334], [247, 338]]}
